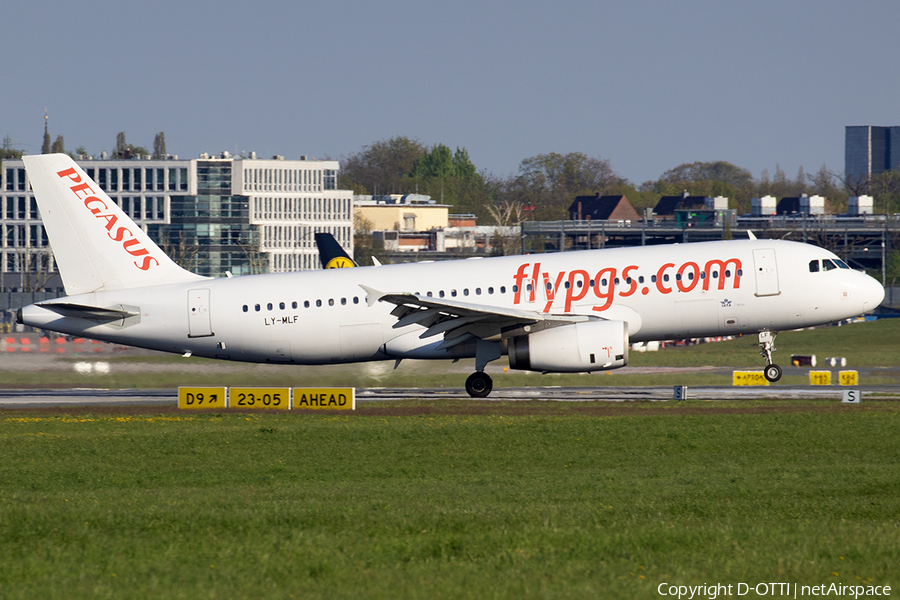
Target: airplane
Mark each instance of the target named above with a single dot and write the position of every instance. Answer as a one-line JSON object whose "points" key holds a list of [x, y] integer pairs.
{"points": [[564, 312], [331, 254]]}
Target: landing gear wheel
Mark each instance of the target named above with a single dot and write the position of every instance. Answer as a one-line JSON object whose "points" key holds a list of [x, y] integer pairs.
{"points": [[772, 373], [479, 385]]}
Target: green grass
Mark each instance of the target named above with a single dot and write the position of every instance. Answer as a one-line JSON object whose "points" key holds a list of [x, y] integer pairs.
{"points": [[547, 505]]}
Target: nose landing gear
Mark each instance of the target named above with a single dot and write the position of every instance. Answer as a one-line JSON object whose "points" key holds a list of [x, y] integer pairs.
{"points": [[772, 371]]}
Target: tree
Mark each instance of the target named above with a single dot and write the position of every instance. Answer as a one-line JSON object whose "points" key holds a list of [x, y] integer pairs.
{"points": [[59, 146], [45, 147], [125, 150], [382, 167], [159, 146], [121, 146], [548, 183]]}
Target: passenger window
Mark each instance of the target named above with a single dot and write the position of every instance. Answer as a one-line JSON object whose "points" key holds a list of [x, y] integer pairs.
{"points": [[490, 290], [441, 293], [814, 266], [269, 306], [294, 304], [281, 305], [331, 302], [827, 265], [477, 291], [466, 292], [343, 302], [355, 300], [318, 303], [306, 304], [246, 308], [453, 293], [503, 289]]}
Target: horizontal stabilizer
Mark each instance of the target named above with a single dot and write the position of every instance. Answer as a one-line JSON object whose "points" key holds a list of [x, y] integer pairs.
{"points": [[93, 313]]}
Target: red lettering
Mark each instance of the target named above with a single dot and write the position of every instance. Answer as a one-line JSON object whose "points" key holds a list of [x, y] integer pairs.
{"points": [[660, 276], [94, 199], [633, 288], [571, 295], [120, 234], [71, 174], [679, 281], [534, 280], [81, 188], [551, 288], [519, 279], [136, 252], [722, 266], [145, 264], [110, 221], [609, 290]]}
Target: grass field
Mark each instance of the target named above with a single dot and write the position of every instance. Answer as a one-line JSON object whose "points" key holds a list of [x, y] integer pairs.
{"points": [[524, 500]]}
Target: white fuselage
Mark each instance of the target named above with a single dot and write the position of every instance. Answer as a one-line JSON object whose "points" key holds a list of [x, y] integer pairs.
{"points": [[318, 317]]}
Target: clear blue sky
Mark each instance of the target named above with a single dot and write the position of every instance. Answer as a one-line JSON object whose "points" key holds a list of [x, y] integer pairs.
{"points": [[647, 85]]}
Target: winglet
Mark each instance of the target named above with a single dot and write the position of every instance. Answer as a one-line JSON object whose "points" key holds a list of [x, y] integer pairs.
{"points": [[372, 295]]}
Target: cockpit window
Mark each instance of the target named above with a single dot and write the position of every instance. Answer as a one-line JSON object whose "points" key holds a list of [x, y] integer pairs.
{"points": [[828, 265], [841, 264], [814, 266]]}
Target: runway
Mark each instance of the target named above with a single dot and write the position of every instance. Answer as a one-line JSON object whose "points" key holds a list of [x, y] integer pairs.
{"points": [[168, 397]]}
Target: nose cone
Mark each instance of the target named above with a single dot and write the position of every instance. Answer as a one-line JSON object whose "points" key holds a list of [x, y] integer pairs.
{"points": [[872, 293]]}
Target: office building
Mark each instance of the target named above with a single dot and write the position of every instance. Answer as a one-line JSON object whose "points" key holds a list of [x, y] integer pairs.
{"points": [[870, 150]]}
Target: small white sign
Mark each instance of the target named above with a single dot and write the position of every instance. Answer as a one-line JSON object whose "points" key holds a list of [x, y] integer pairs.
{"points": [[681, 392], [852, 397]]}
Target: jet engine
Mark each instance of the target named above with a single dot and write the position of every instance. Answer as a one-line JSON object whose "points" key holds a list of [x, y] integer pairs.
{"points": [[588, 346]]}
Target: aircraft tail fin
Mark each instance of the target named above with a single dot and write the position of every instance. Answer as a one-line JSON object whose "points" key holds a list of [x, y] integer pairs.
{"points": [[97, 246], [331, 254]]}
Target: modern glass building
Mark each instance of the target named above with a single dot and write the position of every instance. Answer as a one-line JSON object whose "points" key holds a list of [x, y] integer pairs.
{"points": [[870, 150]]}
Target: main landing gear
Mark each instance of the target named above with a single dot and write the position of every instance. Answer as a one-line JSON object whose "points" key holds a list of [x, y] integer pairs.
{"points": [[479, 384], [772, 371]]}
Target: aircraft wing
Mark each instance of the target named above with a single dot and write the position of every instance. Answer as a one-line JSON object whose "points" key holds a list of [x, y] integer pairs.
{"points": [[462, 321]]}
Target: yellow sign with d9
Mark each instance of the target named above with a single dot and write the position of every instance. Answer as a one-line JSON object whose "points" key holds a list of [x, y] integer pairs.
{"points": [[201, 397], [269, 398], [325, 398]]}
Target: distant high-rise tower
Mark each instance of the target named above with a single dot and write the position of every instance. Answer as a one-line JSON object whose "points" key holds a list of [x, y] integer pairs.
{"points": [[870, 150]]}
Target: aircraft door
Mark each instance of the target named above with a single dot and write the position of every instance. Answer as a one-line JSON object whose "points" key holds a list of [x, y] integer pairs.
{"points": [[199, 324], [766, 272]]}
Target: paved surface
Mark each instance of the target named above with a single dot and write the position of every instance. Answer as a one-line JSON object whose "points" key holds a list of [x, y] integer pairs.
{"points": [[169, 397]]}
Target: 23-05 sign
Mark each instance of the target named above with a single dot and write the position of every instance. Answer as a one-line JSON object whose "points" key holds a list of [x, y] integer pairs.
{"points": [[272, 398]]}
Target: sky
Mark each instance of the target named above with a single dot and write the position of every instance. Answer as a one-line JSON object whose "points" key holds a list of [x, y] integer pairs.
{"points": [[645, 85]]}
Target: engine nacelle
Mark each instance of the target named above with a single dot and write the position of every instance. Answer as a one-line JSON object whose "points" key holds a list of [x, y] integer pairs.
{"points": [[587, 346]]}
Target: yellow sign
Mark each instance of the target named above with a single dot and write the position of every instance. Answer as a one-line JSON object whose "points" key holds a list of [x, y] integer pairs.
{"points": [[749, 378], [820, 378], [267, 398], [325, 398], [848, 377], [202, 397]]}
